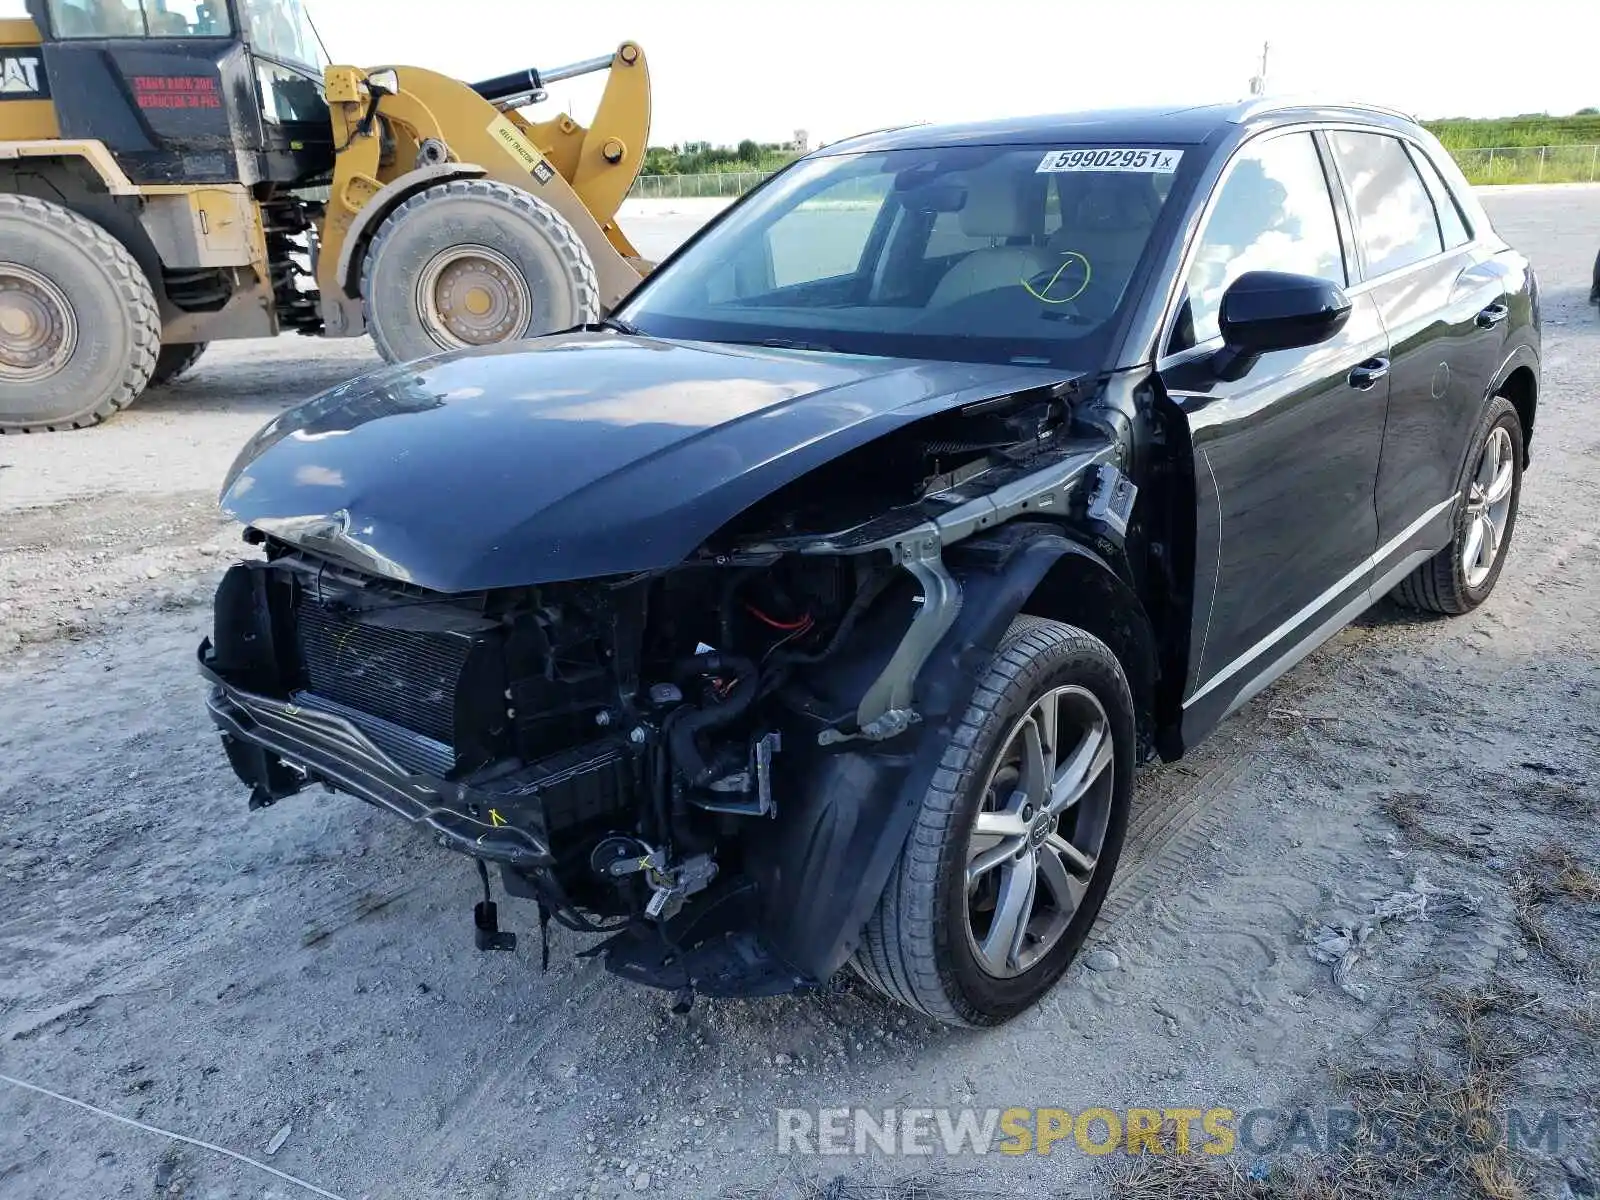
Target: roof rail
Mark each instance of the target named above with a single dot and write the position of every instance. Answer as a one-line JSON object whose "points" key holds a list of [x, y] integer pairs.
{"points": [[1256, 105]]}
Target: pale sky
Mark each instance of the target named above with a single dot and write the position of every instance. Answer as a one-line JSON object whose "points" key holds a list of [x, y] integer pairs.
{"points": [[724, 70]]}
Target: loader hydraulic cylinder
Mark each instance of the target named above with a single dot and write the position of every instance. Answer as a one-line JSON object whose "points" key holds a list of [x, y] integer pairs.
{"points": [[531, 82]]}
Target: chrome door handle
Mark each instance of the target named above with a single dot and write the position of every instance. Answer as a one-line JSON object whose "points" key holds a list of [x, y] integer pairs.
{"points": [[1364, 376], [1493, 315]]}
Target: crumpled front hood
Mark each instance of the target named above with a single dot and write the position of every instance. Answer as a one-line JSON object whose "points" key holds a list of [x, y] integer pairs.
{"points": [[573, 456]]}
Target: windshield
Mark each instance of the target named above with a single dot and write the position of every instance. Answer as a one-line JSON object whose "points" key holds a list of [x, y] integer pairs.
{"points": [[974, 253], [282, 29]]}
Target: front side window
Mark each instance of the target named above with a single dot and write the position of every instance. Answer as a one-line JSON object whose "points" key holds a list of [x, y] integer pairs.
{"points": [[1274, 213], [282, 29], [139, 18], [973, 253], [1395, 220]]}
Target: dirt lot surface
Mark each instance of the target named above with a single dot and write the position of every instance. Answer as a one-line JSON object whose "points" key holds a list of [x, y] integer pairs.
{"points": [[169, 958]]}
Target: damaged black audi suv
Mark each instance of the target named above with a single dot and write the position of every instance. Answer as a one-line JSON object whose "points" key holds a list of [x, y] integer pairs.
{"points": [[815, 609]]}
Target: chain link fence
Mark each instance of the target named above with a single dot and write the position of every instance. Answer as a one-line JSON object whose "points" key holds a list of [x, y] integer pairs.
{"points": [[681, 187], [1494, 164], [1530, 164]]}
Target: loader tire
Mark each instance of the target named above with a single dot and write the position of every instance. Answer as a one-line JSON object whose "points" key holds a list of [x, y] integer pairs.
{"points": [[79, 327], [174, 361], [472, 263]]}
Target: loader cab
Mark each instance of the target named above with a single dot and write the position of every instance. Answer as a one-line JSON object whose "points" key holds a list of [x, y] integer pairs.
{"points": [[191, 91]]}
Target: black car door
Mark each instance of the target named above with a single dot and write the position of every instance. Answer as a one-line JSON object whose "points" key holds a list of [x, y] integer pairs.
{"points": [[1443, 300], [1285, 457]]}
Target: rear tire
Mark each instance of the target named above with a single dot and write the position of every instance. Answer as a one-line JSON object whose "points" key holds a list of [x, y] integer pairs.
{"points": [[1458, 578], [474, 263], [174, 361], [939, 941], [79, 327]]}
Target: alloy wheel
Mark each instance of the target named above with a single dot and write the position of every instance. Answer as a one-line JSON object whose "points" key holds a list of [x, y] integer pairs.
{"points": [[1037, 836], [1488, 507]]}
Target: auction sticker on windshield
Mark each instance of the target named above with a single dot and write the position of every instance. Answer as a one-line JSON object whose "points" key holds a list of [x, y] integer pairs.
{"points": [[1098, 158]]}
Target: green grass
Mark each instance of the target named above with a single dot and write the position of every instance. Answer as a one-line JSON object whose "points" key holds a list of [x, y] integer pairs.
{"points": [[1528, 149], [1466, 134], [1530, 164]]}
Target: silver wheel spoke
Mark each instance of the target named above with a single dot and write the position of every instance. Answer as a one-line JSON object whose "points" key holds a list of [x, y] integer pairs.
{"points": [[1488, 462], [993, 827], [1075, 860], [1474, 544], [1002, 945], [1065, 888], [1500, 487], [996, 837], [1491, 542], [1039, 750], [1082, 769]]}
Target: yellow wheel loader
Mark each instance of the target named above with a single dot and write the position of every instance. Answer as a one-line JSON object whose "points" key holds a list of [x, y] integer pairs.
{"points": [[177, 172]]}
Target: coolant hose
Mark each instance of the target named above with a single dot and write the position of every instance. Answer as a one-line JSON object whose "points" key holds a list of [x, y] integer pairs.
{"points": [[687, 722]]}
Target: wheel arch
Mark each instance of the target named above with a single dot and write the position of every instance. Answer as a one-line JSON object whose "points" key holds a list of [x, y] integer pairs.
{"points": [[847, 813], [1083, 590], [366, 223], [91, 185], [1518, 381]]}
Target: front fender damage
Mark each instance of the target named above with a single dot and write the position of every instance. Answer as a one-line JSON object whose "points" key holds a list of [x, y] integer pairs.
{"points": [[847, 799]]}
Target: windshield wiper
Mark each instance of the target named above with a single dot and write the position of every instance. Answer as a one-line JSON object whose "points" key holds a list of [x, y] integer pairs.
{"points": [[794, 344], [618, 325]]}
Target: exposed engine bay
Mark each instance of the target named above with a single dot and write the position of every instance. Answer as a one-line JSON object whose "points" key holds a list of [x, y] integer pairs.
{"points": [[682, 758]]}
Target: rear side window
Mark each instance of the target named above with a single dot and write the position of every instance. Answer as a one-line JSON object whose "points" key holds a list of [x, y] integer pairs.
{"points": [[1395, 219], [1274, 213], [1451, 224]]}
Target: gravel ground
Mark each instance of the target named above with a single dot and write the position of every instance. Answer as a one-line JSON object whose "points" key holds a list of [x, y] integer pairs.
{"points": [[171, 959]]}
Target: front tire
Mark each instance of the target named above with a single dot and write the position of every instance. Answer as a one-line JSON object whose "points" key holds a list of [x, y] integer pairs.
{"points": [[1461, 576], [79, 327], [1017, 837], [473, 263]]}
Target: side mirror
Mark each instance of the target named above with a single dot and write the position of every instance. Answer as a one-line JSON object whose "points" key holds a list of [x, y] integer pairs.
{"points": [[1263, 311]]}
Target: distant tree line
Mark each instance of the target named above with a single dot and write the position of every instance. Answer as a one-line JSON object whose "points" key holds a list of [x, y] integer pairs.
{"points": [[702, 158], [1457, 133]]}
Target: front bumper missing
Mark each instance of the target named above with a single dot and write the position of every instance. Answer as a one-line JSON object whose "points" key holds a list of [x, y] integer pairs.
{"points": [[278, 747]]}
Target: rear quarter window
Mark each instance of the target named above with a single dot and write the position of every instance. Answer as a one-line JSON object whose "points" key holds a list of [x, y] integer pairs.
{"points": [[1395, 219], [1452, 225]]}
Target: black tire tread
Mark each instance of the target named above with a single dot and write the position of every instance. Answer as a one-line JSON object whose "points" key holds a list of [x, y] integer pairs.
{"points": [[1436, 586], [175, 361], [133, 289], [897, 955], [556, 229]]}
